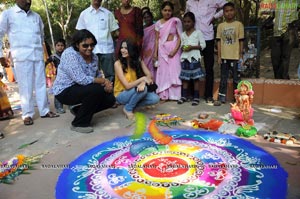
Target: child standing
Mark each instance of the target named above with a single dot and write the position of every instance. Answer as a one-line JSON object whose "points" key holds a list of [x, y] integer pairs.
{"points": [[60, 46], [5, 107], [2, 84], [230, 35], [192, 42]]}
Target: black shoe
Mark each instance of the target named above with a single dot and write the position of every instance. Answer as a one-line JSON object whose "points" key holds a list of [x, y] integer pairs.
{"points": [[195, 101], [209, 100], [182, 100], [1, 135]]}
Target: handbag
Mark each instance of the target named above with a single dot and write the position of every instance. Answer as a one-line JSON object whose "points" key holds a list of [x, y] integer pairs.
{"points": [[152, 87]]}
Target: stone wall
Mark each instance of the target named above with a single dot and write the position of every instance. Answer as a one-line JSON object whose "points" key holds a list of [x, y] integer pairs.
{"points": [[284, 93]]}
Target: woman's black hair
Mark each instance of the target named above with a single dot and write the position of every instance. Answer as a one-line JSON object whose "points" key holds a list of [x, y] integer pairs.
{"points": [[167, 3], [81, 35], [134, 60], [190, 15], [149, 13], [145, 9]]}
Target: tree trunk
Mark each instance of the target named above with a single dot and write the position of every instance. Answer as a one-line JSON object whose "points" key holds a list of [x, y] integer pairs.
{"points": [[49, 23], [62, 21], [256, 11], [246, 11]]}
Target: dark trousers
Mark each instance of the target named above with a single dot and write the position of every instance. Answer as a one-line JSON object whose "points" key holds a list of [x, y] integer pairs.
{"points": [[281, 52], [226, 67], [92, 98], [209, 61]]}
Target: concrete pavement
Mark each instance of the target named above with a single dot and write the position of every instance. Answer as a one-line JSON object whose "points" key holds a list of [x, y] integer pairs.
{"points": [[61, 145]]}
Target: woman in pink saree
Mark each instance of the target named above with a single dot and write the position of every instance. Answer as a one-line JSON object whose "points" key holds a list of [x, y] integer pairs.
{"points": [[149, 43], [167, 53]]}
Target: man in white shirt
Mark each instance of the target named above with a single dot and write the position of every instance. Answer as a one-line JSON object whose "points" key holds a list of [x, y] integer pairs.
{"points": [[101, 22], [25, 33]]}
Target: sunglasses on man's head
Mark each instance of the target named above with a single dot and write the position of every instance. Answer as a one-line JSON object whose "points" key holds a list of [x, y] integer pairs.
{"points": [[88, 45]]}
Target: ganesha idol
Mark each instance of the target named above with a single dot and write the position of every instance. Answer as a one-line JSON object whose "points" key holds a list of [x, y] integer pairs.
{"points": [[242, 110]]}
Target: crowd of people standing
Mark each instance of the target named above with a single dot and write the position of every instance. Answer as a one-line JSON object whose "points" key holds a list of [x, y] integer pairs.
{"points": [[124, 57]]}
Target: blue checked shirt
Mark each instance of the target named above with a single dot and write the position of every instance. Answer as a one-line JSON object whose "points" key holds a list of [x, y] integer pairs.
{"points": [[73, 69]]}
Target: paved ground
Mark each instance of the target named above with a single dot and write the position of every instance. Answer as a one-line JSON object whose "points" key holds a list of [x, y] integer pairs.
{"points": [[60, 145]]}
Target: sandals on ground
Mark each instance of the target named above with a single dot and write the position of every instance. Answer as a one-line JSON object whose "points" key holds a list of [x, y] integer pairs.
{"points": [[128, 114], [28, 121], [195, 101], [115, 105], [50, 114], [182, 100], [218, 103]]}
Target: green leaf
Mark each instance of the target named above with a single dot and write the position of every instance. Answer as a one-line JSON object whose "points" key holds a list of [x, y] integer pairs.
{"points": [[25, 145]]}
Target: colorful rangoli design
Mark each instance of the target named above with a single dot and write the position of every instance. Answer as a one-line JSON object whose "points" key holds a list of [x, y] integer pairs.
{"points": [[195, 164]]}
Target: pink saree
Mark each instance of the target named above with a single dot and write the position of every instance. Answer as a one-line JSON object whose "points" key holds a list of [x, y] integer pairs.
{"points": [[168, 71], [148, 49]]}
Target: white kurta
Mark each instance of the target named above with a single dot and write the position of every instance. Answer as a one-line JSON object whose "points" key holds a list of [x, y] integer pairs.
{"points": [[26, 36]]}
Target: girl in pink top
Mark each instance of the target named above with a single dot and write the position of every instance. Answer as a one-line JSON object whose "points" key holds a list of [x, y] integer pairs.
{"points": [[167, 53]]}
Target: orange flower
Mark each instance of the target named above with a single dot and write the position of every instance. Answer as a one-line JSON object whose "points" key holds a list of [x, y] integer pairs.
{"points": [[20, 159]]}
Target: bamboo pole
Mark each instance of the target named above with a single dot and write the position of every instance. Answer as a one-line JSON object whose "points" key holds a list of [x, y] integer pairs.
{"points": [[49, 23]]}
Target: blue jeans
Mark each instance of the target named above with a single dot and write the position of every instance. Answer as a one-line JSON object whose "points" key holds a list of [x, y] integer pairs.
{"points": [[132, 98]]}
